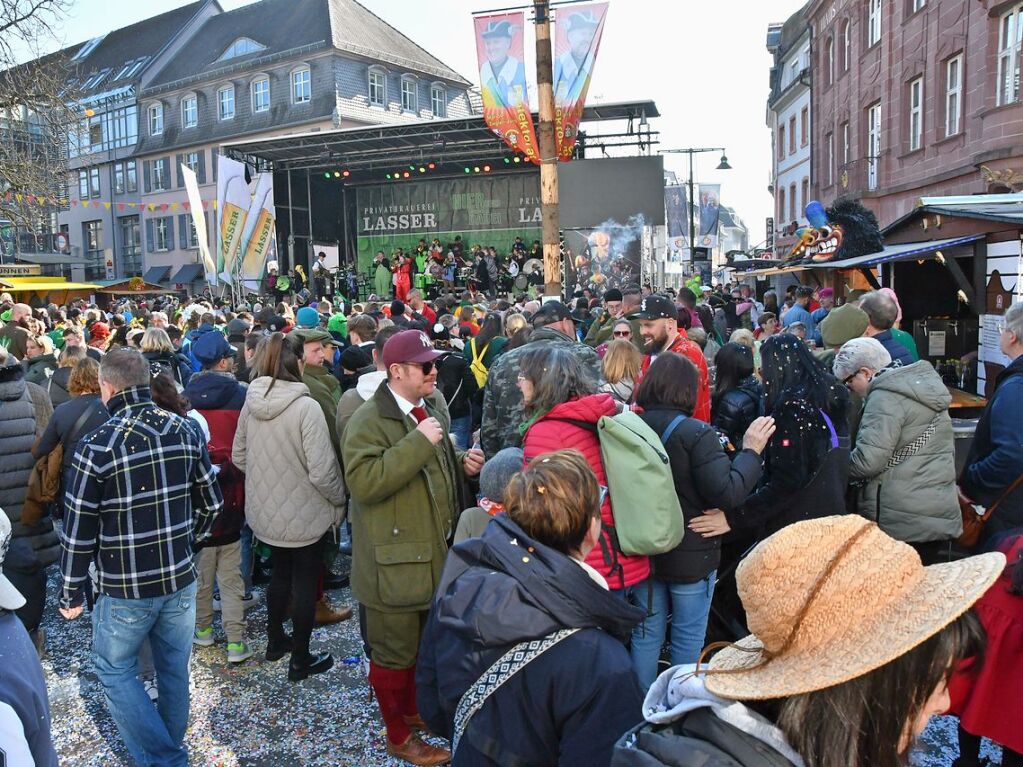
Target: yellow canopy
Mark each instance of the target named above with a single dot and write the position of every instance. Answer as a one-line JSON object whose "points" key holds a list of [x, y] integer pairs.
{"points": [[43, 285]]}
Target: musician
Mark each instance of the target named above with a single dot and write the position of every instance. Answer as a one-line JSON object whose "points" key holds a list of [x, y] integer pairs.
{"points": [[275, 284], [402, 276], [320, 275], [382, 277]]}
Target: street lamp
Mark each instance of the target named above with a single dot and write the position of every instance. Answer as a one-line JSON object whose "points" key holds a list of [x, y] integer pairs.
{"points": [[722, 165]]}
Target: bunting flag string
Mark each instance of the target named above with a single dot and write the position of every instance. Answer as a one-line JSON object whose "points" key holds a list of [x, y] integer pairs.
{"points": [[65, 202]]}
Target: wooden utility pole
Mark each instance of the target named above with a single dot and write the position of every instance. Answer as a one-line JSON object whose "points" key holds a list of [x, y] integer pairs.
{"points": [[548, 151]]}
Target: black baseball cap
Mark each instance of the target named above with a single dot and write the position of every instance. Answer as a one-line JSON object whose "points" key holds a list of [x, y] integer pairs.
{"points": [[657, 307], [551, 312]]}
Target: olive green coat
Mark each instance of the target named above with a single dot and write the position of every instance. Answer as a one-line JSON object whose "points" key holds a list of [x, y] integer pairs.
{"points": [[326, 390], [404, 503]]}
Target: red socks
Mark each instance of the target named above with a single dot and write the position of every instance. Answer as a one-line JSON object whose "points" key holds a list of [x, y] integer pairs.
{"points": [[391, 688]]}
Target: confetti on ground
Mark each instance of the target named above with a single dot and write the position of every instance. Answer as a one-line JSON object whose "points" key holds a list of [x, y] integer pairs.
{"points": [[248, 715]]}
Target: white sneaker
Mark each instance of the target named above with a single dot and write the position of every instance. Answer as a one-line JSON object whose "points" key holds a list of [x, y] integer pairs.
{"points": [[151, 689], [247, 602]]}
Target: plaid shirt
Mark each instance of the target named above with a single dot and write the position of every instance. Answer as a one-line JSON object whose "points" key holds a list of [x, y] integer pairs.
{"points": [[140, 491]]}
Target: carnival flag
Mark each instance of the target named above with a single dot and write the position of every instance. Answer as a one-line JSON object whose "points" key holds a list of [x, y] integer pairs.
{"points": [[676, 208], [707, 233], [259, 231], [576, 40], [199, 221], [499, 53], [233, 200]]}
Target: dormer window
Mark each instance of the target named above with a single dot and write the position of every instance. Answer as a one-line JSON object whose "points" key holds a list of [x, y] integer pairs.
{"points": [[88, 48], [243, 46]]}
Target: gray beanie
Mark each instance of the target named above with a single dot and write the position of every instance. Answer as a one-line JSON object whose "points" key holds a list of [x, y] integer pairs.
{"points": [[498, 471]]}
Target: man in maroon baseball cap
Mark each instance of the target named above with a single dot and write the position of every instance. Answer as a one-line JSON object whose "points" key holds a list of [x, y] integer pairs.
{"points": [[405, 479]]}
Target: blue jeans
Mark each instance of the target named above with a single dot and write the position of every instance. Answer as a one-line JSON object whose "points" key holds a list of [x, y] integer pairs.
{"points": [[648, 636], [461, 427], [247, 557], [153, 735]]}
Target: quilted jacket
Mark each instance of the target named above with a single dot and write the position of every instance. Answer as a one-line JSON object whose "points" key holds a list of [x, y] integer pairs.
{"points": [[550, 433], [293, 486]]}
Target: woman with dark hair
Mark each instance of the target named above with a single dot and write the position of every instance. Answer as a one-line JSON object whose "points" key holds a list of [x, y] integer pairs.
{"points": [[852, 647], [562, 408], [806, 466], [294, 494], [985, 696], [166, 394], [736, 400], [576, 692], [705, 478]]}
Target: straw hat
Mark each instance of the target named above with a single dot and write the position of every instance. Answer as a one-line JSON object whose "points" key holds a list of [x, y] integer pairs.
{"points": [[831, 599]]}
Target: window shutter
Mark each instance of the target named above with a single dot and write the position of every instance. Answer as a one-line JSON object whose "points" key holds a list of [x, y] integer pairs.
{"points": [[181, 177], [182, 233], [213, 164], [166, 172], [202, 167], [147, 181], [170, 232], [150, 236]]}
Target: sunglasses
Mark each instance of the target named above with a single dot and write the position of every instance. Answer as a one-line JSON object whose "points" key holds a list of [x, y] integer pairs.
{"points": [[426, 367], [848, 379], [622, 333]]}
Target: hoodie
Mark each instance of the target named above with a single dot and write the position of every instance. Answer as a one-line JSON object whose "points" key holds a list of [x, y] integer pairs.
{"points": [[687, 725], [569, 704], [293, 486], [352, 399]]}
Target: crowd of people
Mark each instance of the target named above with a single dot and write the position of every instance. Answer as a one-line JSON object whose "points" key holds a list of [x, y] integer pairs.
{"points": [[635, 528]]}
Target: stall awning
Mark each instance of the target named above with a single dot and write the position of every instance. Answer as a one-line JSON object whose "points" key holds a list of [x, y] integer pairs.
{"points": [[18, 285], [187, 274], [906, 251], [48, 259], [156, 274], [771, 271]]}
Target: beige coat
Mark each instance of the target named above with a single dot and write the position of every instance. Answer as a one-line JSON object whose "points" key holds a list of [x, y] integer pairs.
{"points": [[294, 491]]}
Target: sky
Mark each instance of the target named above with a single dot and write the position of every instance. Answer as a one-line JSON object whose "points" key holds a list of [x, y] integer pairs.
{"points": [[704, 64]]}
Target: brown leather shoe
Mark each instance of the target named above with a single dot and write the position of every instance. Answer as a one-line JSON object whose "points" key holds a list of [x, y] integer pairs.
{"points": [[416, 723], [419, 752], [325, 614]]}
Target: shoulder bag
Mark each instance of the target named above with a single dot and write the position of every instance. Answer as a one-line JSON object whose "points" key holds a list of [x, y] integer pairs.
{"points": [[973, 522]]}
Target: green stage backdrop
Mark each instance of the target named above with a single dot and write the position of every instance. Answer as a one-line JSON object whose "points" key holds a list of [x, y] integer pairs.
{"points": [[489, 210]]}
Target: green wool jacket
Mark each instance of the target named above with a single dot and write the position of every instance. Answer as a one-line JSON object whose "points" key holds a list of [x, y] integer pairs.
{"points": [[404, 503], [602, 327], [326, 390]]}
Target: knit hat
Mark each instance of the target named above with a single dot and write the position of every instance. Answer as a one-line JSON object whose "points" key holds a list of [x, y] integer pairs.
{"points": [[338, 323], [397, 308], [307, 317], [355, 358], [613, 294], [843, 324], [498, 471], [828, 600]]}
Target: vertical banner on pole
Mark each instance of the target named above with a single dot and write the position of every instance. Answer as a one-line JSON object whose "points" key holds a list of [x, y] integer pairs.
{"points": [[499, 53], [676, 209], [577, 38], [233, 200], [707, 231], [195, 210], [259, 232]]}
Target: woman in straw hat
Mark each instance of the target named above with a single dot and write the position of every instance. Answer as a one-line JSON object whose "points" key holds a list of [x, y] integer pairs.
{"points": [[852, 647]]}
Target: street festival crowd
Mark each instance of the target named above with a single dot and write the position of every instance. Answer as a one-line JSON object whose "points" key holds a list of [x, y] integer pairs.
{"points": [[638, 527]]}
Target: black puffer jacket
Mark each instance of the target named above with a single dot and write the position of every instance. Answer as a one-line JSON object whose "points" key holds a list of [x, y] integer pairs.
{"points": [[567, 706], [457, 383], [178, 365], [735, 410], [57, 386], [704, 479]]}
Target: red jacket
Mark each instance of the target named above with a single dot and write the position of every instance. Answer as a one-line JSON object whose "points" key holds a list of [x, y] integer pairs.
{"points": [[694, 354], [548, 434]]}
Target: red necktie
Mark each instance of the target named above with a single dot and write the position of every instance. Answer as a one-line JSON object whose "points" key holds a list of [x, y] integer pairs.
{"points": [[420, 414]]}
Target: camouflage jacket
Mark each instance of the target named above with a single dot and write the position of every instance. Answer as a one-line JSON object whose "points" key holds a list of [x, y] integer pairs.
{"points": [[502, 400], [602, 327]]}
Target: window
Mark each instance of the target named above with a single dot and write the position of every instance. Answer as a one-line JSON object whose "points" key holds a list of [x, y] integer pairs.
{"points": [[156, 119], [830, 60], [161, 175], [94, 182], [86, 49], [438, 101], [1010, 32], [225, 103], [792, 134], [805, 189], [829, 142], [873, 144], [301, 86], [916, 5], [846, 46], [189, 112], [781, 141], [125, 177], [846, 148], [192, 161], [781, 205], [241, 47], [793, 216], [192, 235], [131, 68], [83, 185], [92, 236], [916, 113], [377, 87], [409, 100], [873, 22], [131, 246], [161, 234], [953, 94], [95, 79], [261, 94], [804, 126]]}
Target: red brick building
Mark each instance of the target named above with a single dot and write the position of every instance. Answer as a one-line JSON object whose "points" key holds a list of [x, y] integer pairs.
{"points": [[913, 97]]}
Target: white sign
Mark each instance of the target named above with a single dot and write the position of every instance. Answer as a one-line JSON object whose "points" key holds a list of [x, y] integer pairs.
{"points": [[936, 343], [990, 351]]}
